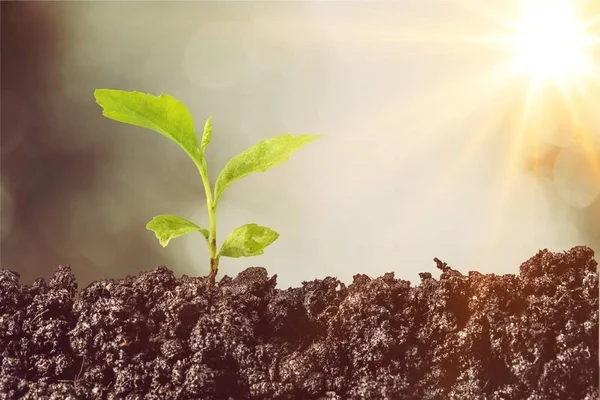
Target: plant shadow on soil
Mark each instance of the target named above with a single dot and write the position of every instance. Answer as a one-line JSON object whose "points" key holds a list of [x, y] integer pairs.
{"points": [[528, 336]]}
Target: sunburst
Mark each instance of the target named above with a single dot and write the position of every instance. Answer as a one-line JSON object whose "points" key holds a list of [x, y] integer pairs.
{"points": [[554, 48], [553, 45], [529, 69]]}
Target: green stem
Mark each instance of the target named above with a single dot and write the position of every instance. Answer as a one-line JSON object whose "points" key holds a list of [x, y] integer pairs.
{"points": [[212, 247]]}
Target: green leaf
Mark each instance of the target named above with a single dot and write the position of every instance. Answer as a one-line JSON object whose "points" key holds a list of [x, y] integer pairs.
{"points": [[162, 114], [167, 227], [247, 240], [206, 135], [259, 158]]}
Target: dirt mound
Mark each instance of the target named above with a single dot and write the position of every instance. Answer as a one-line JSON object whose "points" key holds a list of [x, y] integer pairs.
{"points": [[530, 336]]}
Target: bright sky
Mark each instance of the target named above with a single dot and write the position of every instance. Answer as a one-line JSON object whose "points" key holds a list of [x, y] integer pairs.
{"points": [[434, 115]]}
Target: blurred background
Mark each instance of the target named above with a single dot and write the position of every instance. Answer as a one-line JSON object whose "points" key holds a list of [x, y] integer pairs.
{"points": [[425, 152]]}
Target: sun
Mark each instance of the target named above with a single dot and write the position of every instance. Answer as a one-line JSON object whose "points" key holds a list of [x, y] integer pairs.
{"points": [[551, 43]]}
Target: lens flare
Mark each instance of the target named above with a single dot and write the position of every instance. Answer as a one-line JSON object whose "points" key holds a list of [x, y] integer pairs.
{"points": [[552, 44]]}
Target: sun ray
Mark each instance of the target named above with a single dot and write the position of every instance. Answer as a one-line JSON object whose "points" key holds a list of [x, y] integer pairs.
{"points": [[552, 50], [473, 90], [551, 43], [517, 136], [542, 53]]}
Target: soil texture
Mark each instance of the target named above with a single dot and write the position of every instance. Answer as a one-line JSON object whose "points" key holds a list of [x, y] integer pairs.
{"points": [[155, 336]]}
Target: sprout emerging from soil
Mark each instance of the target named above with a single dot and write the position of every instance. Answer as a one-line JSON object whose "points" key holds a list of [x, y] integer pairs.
{"points": [[172, 119]]}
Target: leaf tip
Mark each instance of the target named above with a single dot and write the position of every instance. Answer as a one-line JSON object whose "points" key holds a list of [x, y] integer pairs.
{"points": [[208, 123], [97, 95]]}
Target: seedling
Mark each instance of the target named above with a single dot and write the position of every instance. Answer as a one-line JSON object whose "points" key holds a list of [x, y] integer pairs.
{"points": [[172, 119]]}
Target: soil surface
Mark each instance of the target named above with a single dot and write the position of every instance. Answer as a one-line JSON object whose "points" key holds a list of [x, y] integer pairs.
{"points": [[154, 336]]}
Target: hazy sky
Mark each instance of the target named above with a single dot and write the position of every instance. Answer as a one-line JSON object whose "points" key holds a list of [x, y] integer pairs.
{"points": [[418, 119]]}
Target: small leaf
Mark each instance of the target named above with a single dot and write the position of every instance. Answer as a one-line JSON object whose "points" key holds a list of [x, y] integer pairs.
{"points": [[259, 158], [206, 135], [247, 240], [167, 227], [162, 114]]}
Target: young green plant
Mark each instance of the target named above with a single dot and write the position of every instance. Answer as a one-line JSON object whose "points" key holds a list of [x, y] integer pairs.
{"points": [[172, 119]]}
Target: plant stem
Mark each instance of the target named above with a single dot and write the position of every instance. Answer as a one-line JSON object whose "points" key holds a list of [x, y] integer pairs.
{"points": [[212, 247]]}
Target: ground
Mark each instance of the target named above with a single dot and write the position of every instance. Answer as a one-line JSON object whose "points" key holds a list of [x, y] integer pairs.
{"points": [[528, 336]]}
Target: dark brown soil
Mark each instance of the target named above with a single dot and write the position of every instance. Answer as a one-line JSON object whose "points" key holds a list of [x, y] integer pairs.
{"points": [[531, 336]]}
